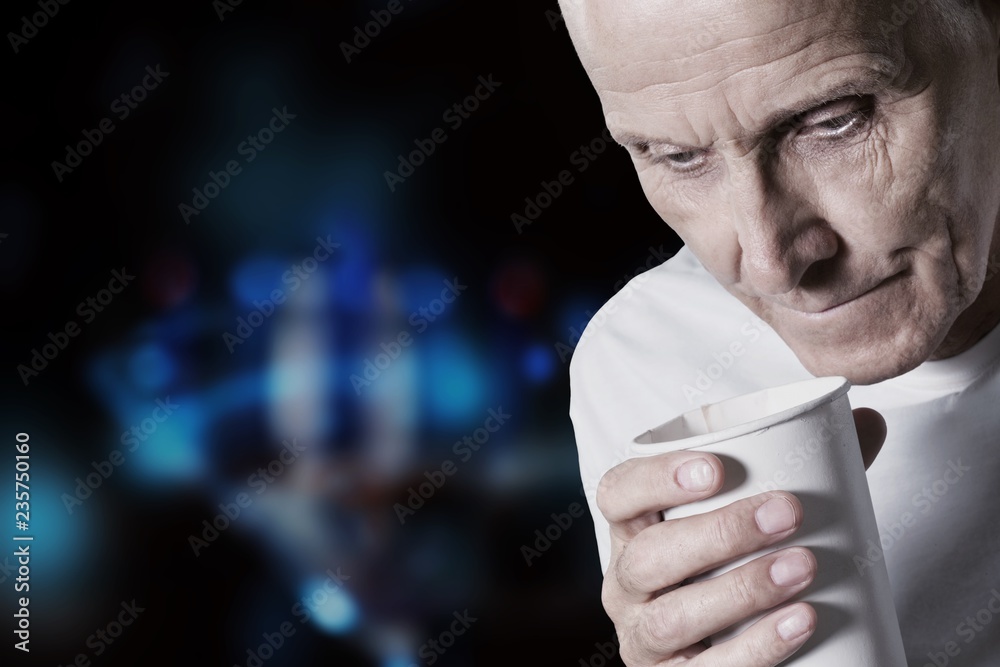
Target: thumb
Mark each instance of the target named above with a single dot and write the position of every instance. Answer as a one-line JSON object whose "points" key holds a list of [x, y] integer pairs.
{"points": [[871, 433]]}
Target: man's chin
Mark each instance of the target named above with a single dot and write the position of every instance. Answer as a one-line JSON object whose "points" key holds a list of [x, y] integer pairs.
{"points": [[863, 365]]}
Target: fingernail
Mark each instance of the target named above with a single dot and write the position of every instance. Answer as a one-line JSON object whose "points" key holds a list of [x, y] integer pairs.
{"points": [[696, 475], [790, 570], [794, 626], [775, 516]]}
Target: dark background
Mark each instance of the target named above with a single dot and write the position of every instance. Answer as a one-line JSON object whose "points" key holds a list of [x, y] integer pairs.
{"points": [[503, 344]]}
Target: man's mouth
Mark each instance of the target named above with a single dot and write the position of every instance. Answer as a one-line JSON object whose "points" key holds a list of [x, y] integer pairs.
{"points": [[834, 306]]}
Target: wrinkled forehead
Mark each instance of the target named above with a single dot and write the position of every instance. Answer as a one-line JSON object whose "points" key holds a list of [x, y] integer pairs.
{"points": [[668, 55], [678, 38]]}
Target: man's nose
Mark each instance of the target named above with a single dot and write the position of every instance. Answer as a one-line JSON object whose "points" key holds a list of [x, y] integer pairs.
{"points": [[781, 234]]}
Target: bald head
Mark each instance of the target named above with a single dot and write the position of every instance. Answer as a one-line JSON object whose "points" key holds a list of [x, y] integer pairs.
{"points": [[834, 165], [686, 30]]}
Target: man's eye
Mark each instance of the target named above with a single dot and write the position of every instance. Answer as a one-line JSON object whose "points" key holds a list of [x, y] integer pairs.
{"points": [[843, 124], [681, 161], [839, 126]]}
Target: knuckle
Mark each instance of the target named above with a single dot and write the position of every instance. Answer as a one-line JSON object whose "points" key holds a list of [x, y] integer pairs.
{"points": [[664, 624], [609, 598], [763, 650], [629, 648], [727, 529], [625, 568], [606, 491], [742, 590]]}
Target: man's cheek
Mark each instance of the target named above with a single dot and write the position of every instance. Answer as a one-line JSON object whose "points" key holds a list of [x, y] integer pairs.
{"points": [[685, 204], [880, 161]]}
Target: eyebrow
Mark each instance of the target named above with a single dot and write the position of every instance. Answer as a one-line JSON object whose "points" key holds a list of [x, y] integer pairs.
{"points": [[866, 84]]}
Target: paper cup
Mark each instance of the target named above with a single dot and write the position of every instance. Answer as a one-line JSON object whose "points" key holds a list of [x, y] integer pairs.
{"points": [[801, 438]]}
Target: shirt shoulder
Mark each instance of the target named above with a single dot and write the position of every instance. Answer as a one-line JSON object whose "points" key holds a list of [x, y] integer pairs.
{"points": [[670, 340]]}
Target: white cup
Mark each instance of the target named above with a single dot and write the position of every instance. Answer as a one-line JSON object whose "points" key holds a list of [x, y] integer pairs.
{"points": [[801, 438]]}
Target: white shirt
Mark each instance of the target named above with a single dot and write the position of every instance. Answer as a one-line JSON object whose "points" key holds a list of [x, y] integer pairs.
{"points": [[673, 339]]}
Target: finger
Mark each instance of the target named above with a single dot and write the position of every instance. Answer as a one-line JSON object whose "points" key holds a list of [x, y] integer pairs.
{"points": [[632, 495], [669, 552], [871, 429], [690, 613], [768, 642]]}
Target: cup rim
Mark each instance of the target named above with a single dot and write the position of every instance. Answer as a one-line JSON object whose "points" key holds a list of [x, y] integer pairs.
{"points": [[839, 386]]}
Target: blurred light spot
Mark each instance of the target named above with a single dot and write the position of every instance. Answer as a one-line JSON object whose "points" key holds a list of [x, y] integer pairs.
{"points": [[256, 278], [297, 380], [453, 380], [173, 450], [519, 288], [397, 661], [56, 532], [151, 367], [353, 270], [538, 363], [333, 609], [418, 287]]}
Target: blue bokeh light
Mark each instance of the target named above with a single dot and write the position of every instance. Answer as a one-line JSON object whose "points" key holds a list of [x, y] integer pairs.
{"points": [[174, 450], [333, 610], [454, 380], [538, 363], [152, 367], [256, 278]]}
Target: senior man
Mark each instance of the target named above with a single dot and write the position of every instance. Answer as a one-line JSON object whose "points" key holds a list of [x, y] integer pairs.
{"points": [[833, 170]]}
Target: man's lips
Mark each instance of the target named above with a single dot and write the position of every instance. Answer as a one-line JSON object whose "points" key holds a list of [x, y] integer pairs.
{"points": [[830, 306]]}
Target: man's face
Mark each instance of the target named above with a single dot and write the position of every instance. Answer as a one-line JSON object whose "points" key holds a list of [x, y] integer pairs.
{"points": [[834, 167]]}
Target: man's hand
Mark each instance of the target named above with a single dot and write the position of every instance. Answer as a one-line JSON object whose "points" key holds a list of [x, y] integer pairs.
{"points": [[659, 621]]}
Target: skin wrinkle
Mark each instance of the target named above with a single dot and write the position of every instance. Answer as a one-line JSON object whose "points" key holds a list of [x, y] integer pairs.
{"points": [[793, 223], [886, 71], [746, 134]]}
